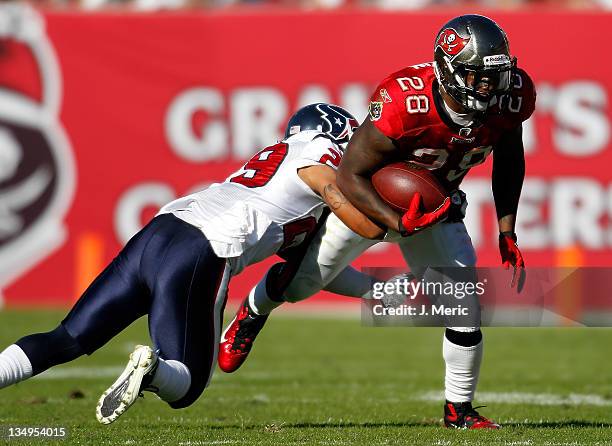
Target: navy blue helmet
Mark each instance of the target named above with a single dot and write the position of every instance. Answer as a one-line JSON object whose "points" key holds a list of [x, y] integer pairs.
{"points": [[333, 121]]}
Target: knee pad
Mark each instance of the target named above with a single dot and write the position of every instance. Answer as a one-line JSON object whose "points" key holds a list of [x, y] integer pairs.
{"points": [[45, 350]]}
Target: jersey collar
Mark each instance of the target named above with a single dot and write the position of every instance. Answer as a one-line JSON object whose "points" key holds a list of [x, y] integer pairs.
{"points": [[441, 110]]}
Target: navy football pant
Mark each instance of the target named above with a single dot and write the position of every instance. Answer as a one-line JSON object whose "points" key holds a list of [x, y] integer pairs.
{"points": [[168, 271]]}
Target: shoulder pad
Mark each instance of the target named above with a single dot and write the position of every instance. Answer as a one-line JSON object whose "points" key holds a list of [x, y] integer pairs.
{"points": [[520, 103], [409, 87]]}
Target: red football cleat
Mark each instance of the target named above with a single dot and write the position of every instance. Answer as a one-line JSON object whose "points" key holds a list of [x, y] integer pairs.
{"points": [[464, 416], [237, 340]]}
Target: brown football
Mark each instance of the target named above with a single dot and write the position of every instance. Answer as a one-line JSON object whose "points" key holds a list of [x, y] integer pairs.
{"points": [[396, 184]]}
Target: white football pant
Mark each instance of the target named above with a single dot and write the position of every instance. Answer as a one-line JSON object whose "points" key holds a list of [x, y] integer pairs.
{"points": [[336, 246], [326, 266]]}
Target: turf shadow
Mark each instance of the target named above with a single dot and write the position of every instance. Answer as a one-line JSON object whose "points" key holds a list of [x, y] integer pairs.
{"points": [[424, 423], [558, 424], [328, 425]]}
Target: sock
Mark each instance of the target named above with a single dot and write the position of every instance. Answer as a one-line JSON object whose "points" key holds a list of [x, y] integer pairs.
{"points": [[462, 370], [464, 336], [259, 301], [172, 379], [14, 366], [352, 283]]}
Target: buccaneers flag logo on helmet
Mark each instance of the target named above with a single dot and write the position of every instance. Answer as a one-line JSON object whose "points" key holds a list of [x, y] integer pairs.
{"points": [[451, 42]]}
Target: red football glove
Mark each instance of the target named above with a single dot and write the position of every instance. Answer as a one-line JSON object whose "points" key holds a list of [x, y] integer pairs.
{"points": [[511, 255], [415, 219]]}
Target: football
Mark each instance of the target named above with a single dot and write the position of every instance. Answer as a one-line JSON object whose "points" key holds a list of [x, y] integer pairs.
{"points": [[396, 184]]}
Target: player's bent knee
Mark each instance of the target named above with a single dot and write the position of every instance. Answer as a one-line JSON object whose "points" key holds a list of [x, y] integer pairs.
{"points": [[302, 288], [45, 350], [195, 391]]}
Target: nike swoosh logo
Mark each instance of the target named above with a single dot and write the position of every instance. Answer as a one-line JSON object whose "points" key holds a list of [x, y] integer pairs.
{"points": [[223, 339]]}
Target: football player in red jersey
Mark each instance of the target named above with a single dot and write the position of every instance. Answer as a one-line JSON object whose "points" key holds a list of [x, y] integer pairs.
{"points": [[446, 116]]}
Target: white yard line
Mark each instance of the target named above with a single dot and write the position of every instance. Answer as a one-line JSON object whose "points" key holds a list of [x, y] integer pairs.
{"points": [[80, 372], [538, 399]]}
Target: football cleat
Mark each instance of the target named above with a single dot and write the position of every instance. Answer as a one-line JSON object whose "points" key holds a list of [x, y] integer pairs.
{"points": [[237, 340], [464, 416], [125, 390], [397, 298]]}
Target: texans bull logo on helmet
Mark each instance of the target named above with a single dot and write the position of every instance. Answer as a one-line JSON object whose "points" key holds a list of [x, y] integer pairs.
{"points": [[340, 124], [451, 42], [36, 163]]}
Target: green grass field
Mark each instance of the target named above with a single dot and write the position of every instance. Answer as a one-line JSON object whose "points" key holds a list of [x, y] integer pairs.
{"points": [[333, 382]]}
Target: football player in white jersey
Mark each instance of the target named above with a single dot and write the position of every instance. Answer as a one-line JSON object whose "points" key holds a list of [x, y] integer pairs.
{"points": [[176, 269]]}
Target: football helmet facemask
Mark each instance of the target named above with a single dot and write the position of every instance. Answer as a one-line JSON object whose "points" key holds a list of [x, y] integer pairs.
{"points": [[472, 61], [332, 121]]}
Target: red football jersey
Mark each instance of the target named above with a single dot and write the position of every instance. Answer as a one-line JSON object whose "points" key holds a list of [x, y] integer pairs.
{"points": [[405, 109]]}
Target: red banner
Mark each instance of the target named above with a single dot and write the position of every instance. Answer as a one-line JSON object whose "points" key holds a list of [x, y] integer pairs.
{"points": [[106, 117]]}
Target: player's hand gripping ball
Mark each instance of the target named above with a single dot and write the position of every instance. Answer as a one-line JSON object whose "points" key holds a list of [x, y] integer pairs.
{"points": [[414, 193]]}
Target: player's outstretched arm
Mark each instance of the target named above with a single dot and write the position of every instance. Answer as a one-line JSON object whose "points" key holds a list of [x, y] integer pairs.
{"points": [[507, 182], [508, 176], [367, 151], [322, 180]]}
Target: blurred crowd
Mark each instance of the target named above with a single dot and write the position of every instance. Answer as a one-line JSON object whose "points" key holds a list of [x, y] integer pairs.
{"points": [[152, 5]]}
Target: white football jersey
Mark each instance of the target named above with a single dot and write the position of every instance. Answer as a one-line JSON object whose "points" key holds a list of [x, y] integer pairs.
{"points": [[264, 207]]}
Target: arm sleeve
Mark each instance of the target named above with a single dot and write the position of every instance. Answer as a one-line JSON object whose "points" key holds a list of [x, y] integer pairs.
{"points": [[508, 172]]}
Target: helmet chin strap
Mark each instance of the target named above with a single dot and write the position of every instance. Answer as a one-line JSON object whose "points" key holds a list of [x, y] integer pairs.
{"points": [[453, 103], [477, 105], [459, 114]]}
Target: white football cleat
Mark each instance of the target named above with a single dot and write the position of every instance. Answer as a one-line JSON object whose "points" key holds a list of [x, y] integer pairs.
{"points": [[126, 389], [396, 298]]}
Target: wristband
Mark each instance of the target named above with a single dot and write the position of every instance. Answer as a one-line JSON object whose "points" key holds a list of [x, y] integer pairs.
{"points": [[510, 234]]}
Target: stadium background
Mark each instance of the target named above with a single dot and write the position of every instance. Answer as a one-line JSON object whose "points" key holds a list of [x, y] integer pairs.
{"points": [[109, 108], [126, 110]]}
